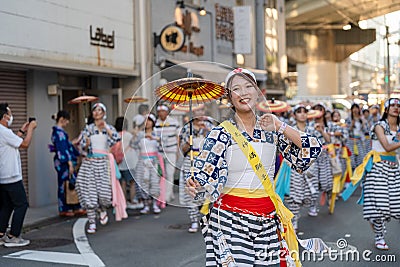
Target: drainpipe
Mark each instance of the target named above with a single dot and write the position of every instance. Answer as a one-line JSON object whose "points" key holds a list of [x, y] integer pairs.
{"points": [[143, 47]]}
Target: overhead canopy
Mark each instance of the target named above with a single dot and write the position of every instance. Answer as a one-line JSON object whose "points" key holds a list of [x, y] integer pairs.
{"points": [[333, 14], [212, 71], [201, 69]]}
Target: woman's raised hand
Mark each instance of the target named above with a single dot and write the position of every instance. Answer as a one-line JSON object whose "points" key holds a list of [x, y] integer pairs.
{"points": [[269, 122]]}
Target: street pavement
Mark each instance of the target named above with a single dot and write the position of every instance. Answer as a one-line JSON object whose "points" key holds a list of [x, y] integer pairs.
{"points": [[163, 240]]}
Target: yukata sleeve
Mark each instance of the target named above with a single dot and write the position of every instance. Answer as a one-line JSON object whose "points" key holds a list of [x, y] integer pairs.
{"points": [[61, 144], [300, 158], [86, 133], [210, 167], [114, 138]]}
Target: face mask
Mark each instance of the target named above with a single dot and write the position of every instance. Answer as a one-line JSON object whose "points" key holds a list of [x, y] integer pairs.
{"points": [[10, 121]]}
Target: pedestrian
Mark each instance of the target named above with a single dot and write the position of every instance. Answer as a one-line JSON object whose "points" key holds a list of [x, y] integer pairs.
{"points": [[367, 139], [339, 139], [167, 129], [127, 163], [96, 183], [143, 111], [357, 127], [380, 170], [235, 171], [375, 115], [148, 166], [321, 129], [12, 193], [65, 161], [201, 127]]}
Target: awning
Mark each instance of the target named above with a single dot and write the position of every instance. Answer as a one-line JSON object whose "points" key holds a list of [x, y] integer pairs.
{"points": [[202, 69], [216, 72]]}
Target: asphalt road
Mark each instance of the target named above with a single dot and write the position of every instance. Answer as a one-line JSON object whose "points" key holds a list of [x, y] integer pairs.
{"points": [[163, 240]]}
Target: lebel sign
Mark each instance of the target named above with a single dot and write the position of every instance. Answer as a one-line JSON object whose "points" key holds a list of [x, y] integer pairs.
{"points": [[99, 38]]}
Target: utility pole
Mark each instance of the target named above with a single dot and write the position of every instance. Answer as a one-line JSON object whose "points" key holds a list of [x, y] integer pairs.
{"points": [[387, 78]]}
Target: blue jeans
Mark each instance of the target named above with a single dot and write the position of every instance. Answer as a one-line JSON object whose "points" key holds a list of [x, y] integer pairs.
{"points": [[12, 198]]}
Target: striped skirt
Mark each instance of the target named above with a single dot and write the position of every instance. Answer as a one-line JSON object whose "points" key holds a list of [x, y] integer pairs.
{"points": [[356, 159], [147, 177], [251, 240], [382, 192], [93, 183], [303, 187], [324, 170]]}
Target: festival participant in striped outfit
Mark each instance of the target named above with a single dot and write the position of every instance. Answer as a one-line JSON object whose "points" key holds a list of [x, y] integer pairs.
{"points": [[381, 182], [357, 127], [167, 129], [97, 183], [147, 168], [320, 129], [201, 127], [303, 187], [243, 228], [339, 136]]}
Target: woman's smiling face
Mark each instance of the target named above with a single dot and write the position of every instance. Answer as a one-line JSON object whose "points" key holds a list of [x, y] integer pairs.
{"points": [[243, 94], [98, 113]]}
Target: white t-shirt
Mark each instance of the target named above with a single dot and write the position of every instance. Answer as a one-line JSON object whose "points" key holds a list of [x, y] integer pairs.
{"points": [[168, 131], [10, 160]]}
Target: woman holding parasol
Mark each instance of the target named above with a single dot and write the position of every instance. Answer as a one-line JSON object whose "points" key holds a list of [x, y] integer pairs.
{"points": [[235, 171], [96, 183], [201, 127]]}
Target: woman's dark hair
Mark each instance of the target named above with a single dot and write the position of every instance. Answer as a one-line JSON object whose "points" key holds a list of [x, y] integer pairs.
{"points": [[143, 108], [61, 114], [355, 105], [90, 119], [323, 114], [334, 112], [300, 108], [119, 124], [3, 109], [385, 115]]}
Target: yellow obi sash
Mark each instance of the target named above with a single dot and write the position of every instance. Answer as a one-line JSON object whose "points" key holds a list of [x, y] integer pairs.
{"points": [[365, 165]]}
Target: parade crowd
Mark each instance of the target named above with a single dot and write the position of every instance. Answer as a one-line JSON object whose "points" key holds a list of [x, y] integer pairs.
{"points": [[247, 170]]}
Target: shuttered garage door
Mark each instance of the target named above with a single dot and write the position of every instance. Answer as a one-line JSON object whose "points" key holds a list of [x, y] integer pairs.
{"points": [[13, 91]]}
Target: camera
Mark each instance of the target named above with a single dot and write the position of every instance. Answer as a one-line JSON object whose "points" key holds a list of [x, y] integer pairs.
{"points": [[31, 119]]}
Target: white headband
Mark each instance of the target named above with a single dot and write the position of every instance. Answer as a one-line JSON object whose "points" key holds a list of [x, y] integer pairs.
{"points": [[392, 101], [238, 71], [102, 106], [162, 107], [299, 106]]}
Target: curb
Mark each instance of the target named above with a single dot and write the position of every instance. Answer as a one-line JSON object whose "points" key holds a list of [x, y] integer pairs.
{"points": [[42, 223]]}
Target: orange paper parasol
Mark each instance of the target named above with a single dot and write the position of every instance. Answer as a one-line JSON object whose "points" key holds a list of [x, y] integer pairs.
{"points": [[313, 114], [135, 99], [187, 90], [190, 89], [273, 106], [185, 107], [83, 99]]}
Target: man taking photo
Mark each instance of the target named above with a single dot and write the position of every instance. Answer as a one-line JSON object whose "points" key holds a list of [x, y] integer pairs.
{"points": [[12, 192]]}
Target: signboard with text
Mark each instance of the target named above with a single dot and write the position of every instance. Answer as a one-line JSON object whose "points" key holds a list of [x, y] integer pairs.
{"points": [[242, 29]]}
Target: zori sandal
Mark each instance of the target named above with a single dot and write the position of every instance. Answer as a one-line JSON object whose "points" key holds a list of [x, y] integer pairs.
{"points": [[381, 244], [103, 218]]}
